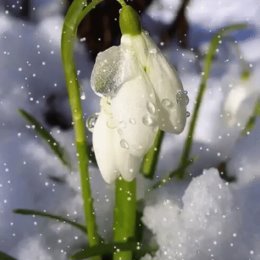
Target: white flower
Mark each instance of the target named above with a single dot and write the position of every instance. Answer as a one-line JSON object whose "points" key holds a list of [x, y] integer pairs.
{"points": [[141, 93], [240, 102]]}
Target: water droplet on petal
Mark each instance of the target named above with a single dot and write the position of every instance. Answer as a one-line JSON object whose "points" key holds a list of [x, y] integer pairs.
{"points": [[122, 124], [132, 121], [153, 51], [105, 78], [111, 123], [124, 144], [91, 121], [147, 120], [120, 131], [167, 103], [182, 97], [151, 107]]}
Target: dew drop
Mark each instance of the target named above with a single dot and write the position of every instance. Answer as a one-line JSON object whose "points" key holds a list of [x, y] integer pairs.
{"points": [[151, 107], [104, 78], [124, 144], [147, 120], [111, 123], [132, 121], [167, 103], [91, 121], [122, 124], [153, 51], [120, 131], [182, 97]]}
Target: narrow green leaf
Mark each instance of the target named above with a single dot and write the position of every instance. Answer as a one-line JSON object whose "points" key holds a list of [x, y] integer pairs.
{"points": [[214, 43], [105, 249], [47, 137], [185, 156], [251, 122], [50, 216], [4, 256]]}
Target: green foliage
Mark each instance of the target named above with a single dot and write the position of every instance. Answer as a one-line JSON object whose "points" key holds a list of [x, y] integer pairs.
{"points": [[105, 249], [252, 120], [57, 149], [4, 256], [50, 216], [185, 157], [76, 13], [124, 215]]}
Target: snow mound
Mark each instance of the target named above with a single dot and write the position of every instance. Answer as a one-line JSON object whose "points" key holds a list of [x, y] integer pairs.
{"points": [[207, 226]]}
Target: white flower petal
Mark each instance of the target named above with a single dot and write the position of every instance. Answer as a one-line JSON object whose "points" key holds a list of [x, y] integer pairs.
{"points": [[127, 164], [137, 45], [105, 77], [134, 108], [103, 145], [172, 99], [240, 103]]}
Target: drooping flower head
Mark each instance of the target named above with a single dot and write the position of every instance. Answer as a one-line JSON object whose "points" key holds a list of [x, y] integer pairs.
{"points": [[140, 93]]}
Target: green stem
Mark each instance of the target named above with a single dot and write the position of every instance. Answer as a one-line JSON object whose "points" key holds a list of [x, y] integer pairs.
{"points": [[122, 2], [151, 158], [107, 249], [252, 120], [124, 215], [185, 160], [72, 20]]}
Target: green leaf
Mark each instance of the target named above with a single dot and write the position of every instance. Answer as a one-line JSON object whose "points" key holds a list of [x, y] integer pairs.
{"points": [[4, 256], [30, 212], [105, 249], [185, 156], [47, 137], [213, 46], [252, 120]]}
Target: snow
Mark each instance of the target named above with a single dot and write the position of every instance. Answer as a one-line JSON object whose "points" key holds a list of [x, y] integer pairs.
{"points": [[199, 218], [213, 222], [198, 225]]}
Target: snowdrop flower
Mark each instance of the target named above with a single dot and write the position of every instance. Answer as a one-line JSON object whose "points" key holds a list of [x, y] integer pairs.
{"points": [[140, 93], [240, 102]]}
